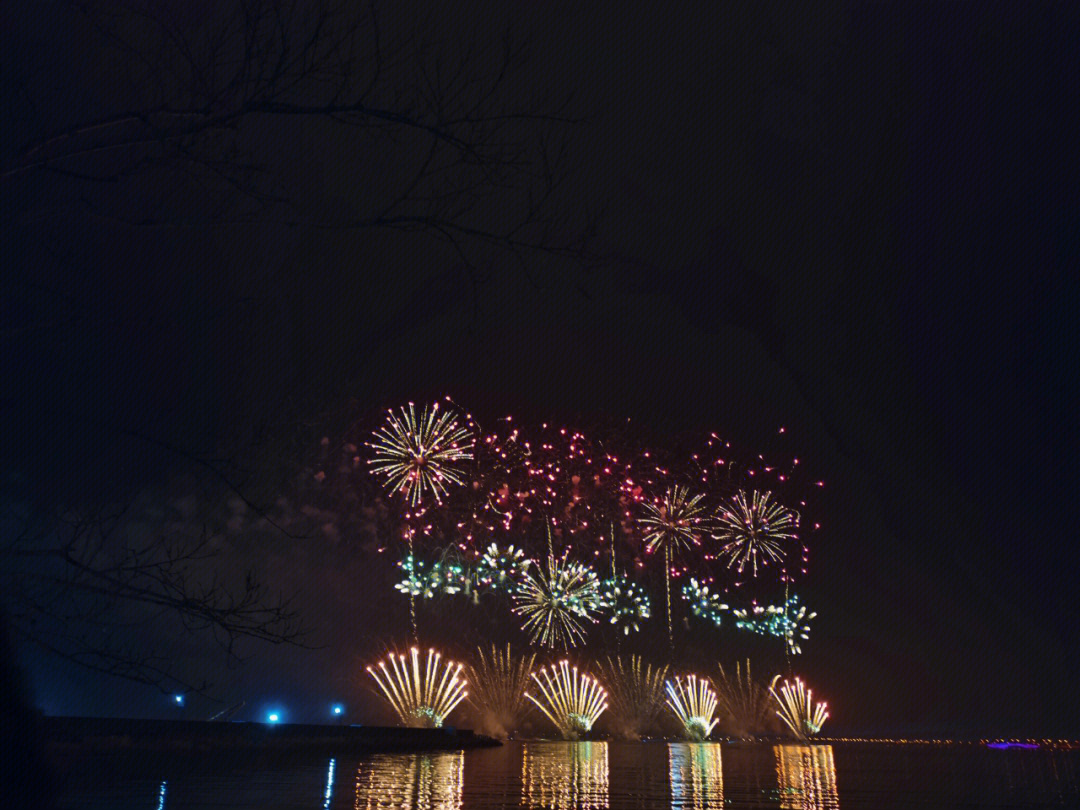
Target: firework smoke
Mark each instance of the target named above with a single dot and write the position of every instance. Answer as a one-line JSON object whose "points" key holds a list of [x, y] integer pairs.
{"points": [[499, 680], [636, 692]]}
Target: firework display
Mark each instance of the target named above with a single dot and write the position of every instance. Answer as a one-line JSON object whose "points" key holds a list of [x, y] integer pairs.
{"points": [[420, 455], [787, 621], [499, 680], [519, 519], [723, 471], [501, 568], [570, 699], [798, 710], [694, 703], [421, 696], [428, 581], [636, 690], [754, 528], [556, 602], [547, 477], [745, 703], [703, 603], [673, 522], [625, 602]]}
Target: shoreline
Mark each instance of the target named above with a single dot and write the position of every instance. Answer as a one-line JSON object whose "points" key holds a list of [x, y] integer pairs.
{"points": [[72, 736], [75, 737]]}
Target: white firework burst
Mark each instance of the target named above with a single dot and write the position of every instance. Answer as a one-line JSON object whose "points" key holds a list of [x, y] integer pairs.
{"points": [[694, 703], [626, 601]]}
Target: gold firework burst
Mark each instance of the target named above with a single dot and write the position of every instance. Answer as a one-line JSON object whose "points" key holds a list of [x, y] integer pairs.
{"points": [[754, 528], [421, 696], [570, 699], [798, 710], [674, 522], [417, 454], [557, 602], [636, 689], [499, 681]]}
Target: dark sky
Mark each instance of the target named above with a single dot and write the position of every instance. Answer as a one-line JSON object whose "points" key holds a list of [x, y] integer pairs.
{"points": [[858, 220]]}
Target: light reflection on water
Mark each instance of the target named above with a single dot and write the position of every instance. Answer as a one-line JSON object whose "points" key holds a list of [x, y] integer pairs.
{"points": [[565, 775], [807, 776], [697, 776], [429, 781], [601, 776]]}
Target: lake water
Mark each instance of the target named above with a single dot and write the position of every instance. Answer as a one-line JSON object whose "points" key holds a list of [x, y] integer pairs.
{"points": [[606, 775]]}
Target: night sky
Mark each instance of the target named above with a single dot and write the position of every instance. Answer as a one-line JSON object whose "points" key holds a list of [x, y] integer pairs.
{"points": [[855, 220]]}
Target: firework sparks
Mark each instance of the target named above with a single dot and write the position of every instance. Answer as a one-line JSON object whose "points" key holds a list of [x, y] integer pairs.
{"points": [[798, 710], [703, 603], [420, 696], [501, 568], [753, 529], [673, 523], [570, 699], [418, 455], [745, 701], [555, 603], [637, 693], [499, 682], [787, 621], [694, 703], [439, 578], [627, 603]]}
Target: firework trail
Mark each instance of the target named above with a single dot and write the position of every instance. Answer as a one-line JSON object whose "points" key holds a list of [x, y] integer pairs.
{"points": [[744, 701], [421, 696], [694, 703], [798, 710], [570, 699]]}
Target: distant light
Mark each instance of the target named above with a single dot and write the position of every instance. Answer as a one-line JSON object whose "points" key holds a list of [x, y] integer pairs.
{"points": [[179, 700], [273, 717], [338, 708], [329, 784]]}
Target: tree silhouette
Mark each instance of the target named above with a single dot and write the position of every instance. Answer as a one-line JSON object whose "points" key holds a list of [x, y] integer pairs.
{"points": [[197, 120]]}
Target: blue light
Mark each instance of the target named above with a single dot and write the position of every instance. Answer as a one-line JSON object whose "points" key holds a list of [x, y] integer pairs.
{"points": [[179, 700], [329, 785], [273, 717], [338, 708]]}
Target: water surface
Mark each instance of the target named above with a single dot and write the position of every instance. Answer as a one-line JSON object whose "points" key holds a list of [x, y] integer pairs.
{"points": [[603, 775]]}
